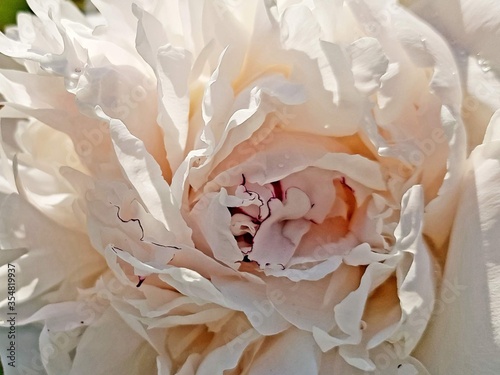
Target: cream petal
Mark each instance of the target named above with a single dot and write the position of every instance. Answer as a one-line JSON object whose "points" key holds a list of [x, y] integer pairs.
{"points": [[475, 32], [115, 216], [234, 123], [173, 74], [317, 185], [356, 167], [313, 273], [339, 98], [399, 36], [408, 36], [252, 298], [27, 89], [186, 281], [349, 312], [366, 227], [63, 316], [294, 353], [369, 64], [119, 17], [444, 205], [189, 366], [227, 357], [416, 281], [163, 366], [45, 190], [145, 175], [328, 240], [363, 254], [56, 348], [128, 94], [151, 35], [382, 315], [387, 359], [59, 111], [467, 306], [220, 24], [279, 235], [309, 304], [493, 131], [17, 49], [276, 162], [213, 219], [114, 349], [205, 316], [481, 98], [68, 254], [333, 363]]}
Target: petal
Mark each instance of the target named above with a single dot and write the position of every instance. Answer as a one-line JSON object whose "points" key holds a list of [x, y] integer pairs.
{"points": [[369, 63], [308, 304], [173, 74], [415, 271], [252, 298], [292, 353], [227, 357], [280, 233], [477, 29], [468, 308], [213, 220], [114, 348], [145, 175], [67, 254]]}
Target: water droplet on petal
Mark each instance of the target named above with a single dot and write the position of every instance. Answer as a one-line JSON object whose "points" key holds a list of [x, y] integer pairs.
{"points": [[486, 68], [326, 126], [281, 165], [483, 63]]}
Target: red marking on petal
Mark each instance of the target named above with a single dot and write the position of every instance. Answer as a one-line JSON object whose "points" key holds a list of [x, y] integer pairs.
{"points": [[278, 191], [346, 185], [141, 280]]}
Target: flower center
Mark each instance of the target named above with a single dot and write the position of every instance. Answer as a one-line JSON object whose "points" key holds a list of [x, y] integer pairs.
{"points": [[270, 223], [274, 222]]}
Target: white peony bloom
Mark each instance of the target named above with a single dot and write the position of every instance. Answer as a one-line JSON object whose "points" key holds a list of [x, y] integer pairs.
{"points": [[238, 187]]}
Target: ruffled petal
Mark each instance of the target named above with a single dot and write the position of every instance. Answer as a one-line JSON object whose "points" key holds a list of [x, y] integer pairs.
{"points": [[467, 306]]}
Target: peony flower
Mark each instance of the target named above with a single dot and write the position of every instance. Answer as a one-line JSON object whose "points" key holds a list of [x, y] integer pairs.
{"points": [[235, 187]]}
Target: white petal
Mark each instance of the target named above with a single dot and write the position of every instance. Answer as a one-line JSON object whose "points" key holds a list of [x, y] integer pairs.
{"points": [[67, 254], [464, 334], [114, 348], [369, 63], [145, 175], [493, 131], [227, 357], [253, 300], [416, 282], [292, 353], [173, 74], [309, 304]]}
